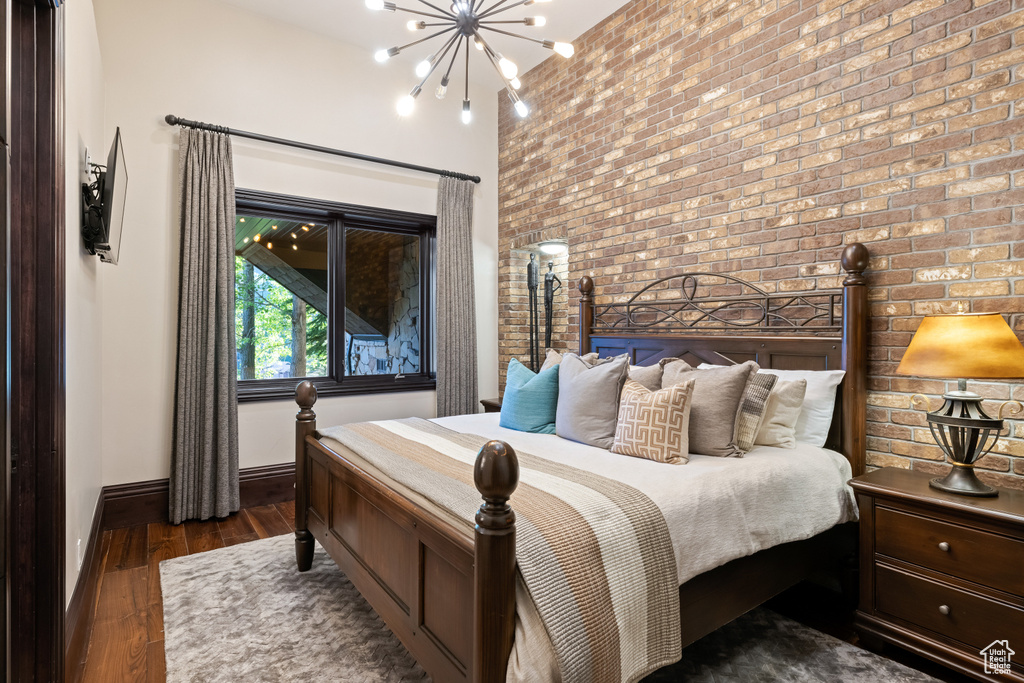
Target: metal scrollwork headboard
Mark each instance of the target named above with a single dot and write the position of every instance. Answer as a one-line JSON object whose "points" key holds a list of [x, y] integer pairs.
{"points": [[713, 301]]}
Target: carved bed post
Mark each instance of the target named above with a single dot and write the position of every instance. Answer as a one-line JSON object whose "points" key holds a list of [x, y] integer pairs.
{"points": [[586, 286], [305, 425], [496, 474], [855, 344]]}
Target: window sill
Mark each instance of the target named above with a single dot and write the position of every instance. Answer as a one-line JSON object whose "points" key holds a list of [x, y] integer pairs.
{"points": [[252, 391]]}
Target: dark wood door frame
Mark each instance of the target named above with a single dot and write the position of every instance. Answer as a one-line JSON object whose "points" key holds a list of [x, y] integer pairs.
{"points": [[5, 215], [36, 282]]}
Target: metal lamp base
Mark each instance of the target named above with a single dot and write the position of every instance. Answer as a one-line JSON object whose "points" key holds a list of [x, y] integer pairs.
{"points": [[965, 434], [963, 481]]}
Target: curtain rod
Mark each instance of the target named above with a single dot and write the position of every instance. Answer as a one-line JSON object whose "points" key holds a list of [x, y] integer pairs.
{"points": [[176, 121]]}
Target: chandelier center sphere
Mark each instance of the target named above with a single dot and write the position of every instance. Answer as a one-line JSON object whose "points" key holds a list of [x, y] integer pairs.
{"points": [[467, 23]]}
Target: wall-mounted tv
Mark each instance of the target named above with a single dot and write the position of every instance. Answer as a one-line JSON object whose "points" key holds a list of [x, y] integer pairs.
{"points": [[103, 205]]}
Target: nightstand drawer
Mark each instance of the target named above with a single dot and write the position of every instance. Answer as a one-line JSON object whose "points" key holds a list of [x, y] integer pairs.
{"points": [[965, 617], [989, 559]]}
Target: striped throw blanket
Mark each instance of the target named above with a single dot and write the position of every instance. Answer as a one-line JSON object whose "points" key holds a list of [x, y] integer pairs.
{"points": [[594, 554]]}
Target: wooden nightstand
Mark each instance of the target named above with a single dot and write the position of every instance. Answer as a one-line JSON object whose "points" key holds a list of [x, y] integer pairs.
{"points": [[941, 575], [491, 405]]}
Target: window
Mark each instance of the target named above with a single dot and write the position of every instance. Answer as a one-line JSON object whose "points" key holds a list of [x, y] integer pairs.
{"points": [[335, 293]]}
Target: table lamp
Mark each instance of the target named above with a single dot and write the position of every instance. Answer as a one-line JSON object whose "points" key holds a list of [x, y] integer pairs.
{"points": [[962, 346]]}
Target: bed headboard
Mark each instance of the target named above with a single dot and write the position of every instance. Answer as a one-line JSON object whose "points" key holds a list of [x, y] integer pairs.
{"points": [[718, 318]]}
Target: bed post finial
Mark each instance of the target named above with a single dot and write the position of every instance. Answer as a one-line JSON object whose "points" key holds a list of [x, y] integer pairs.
{"points": [[305, 425], [496, 475], [855, 261], [586, 286]]}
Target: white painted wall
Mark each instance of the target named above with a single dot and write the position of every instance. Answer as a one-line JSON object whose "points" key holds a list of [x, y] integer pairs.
{"points": [[205, 60], [84, 128]]}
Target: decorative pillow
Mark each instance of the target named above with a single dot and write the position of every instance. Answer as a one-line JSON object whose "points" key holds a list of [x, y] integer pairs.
{"points": [[778, 428], [752, 405], [647, 375], [819, 402], [716, 400], [530, 399], [752, 408], [654, 424], [553, 358], [588, 399]]}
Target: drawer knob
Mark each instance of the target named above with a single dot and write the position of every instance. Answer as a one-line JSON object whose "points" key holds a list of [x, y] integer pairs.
{"points": [[944, 547], [944, 609]]}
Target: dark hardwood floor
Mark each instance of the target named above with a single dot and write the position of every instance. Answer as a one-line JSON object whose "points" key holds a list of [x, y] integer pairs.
{"points": [[127, 641]]}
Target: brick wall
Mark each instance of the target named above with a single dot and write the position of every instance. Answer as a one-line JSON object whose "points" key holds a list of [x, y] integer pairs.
{"points": [[758, 137]]}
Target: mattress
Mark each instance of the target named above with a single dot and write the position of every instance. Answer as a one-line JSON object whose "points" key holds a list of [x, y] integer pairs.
{"points": [[717, 509]]}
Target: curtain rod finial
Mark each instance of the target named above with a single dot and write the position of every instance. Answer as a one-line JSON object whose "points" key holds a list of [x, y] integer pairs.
{"points": [[171, 120]]}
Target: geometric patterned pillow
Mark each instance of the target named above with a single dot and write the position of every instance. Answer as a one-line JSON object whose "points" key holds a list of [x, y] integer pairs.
{"points": [[654, 424], [752, 408]]}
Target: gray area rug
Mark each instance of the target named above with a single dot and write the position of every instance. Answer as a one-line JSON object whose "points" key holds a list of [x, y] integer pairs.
{"points": [[245, 614], [763, 647]]}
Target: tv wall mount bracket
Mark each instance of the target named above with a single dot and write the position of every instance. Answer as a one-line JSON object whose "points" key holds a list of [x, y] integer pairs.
{"points": [[92, 205]]}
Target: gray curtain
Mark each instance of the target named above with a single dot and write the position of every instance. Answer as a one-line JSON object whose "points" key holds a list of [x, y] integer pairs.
{"points": [[204, 460], [456, 307]]}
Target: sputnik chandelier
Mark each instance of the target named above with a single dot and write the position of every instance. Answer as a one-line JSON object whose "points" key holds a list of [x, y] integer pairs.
{"points": [[465, 20]]}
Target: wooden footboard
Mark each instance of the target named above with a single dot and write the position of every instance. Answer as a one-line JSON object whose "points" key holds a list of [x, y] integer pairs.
{"points": [[449, 597]]}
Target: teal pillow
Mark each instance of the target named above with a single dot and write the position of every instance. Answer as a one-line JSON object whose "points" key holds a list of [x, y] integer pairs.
{"points": [[530, 399]]}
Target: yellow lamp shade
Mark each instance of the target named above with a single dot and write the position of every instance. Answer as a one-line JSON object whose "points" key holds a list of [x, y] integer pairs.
{"points": [[971, 346]]}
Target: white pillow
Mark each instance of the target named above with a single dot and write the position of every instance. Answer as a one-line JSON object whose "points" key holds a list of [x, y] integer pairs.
{"points": [[785, 403], [819, 401]]}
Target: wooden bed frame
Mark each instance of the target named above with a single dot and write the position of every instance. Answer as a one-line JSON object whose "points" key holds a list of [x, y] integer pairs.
{"points": [[450, 597]]}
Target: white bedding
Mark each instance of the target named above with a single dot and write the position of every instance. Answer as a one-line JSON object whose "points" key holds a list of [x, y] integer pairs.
{"points": [[717, 509]]}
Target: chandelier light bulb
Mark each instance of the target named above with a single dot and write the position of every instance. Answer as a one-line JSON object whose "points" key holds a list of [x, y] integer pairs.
{"points": [[536, 21], [478, 44], [515, 83], [522, 109], [508, 68], [467, 115], [423, 68], [565, 49], [406, 105], [375, 4], [381, 56], [414, 25], [441, 91]]}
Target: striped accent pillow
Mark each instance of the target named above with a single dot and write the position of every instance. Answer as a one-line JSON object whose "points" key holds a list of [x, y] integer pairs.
{"points": [[752, 409], [654, 424]]}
